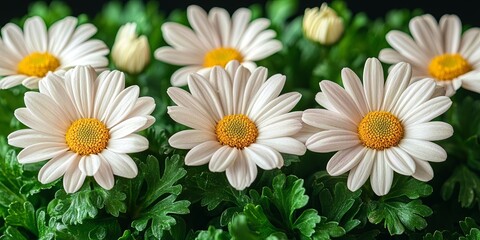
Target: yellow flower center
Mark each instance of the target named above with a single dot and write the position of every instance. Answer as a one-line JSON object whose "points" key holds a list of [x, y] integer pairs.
{"points": [[87, 136], [448, 66], [236, 131], [380, 130], [221, 56], [38, 64]]}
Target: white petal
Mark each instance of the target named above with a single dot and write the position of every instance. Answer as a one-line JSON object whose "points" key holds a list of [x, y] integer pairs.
{"points": [[43, 107], [427, 35], [89, 164], [382, 176], [191, 118], [344, 160], [126, 127], [267, 92], [122, 106], [188, 139], [179, 57], [325, 119], [223, 158], [73, 179], [246, 85], [202, 153], [206, 94], [423, 150], [429, 131], [397, 81], [181, 37], [405, 45], [26, 117], [427, 110], [373, 84], [197, 17], [359, 174], [129, 144], [35, 34], [180, 77], [415, 94], [184, 99], [341, 100], [242, 172], [280, 105], [11, 81], [354, 87], [41, 151], [79, 84], [452, 29], [264, 156], [286, 145], [332, 140], [424, 171], [56, 167], [121, 164], [104, 176], [399, 161], [284, 128], [240, 20], [26, 137], [109, 85]]}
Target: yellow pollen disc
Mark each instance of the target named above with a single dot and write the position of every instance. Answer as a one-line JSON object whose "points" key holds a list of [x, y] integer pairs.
{"points": [[448, 66], [221, 56], [87, 136], [380, 130], [236, 131], [38, 64]]}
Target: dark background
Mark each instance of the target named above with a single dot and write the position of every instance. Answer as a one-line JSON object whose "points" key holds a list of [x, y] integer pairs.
{"points": [[466, 10]]}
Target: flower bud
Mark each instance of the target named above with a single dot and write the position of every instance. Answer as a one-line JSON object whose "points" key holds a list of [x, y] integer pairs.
{"points": [[322, 25], [130, 53]]}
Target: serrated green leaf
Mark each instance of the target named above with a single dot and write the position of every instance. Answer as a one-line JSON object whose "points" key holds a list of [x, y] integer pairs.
{"points": [[398, 215], [10, 181], [408, 187], [91, 229], [468, 224], [73, 208], [287, 195], [469, 186], [22, 215], [437, 235], [112, 200], [153, 208], [12, 233], [473, 235], [335, 205], [212, 234], [306, 222], [326, 230], [258, 221], [239, 230]]}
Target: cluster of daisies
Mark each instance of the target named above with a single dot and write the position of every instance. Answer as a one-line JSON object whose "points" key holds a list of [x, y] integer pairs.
{"points": [[84, 121]]}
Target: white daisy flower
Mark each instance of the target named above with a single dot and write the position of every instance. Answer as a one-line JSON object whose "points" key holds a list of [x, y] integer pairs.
{"points": [[238, 122], [84, 125], [379, 128], [214, 41], [438, 51], [28, 56]]}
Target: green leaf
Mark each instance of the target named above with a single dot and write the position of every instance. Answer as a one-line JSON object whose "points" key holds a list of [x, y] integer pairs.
{"points": [[287, 195], [278, 11], [10, 180], [398, 215], [22, 215], [212, 234], [326, 230], [12, 233], [306, 222], [160, 197], [239, 230], [334, 207], [91, 229], [73, 208], [437, 235], [469, 186], [112, 200], [258, 221], [468, 224]]}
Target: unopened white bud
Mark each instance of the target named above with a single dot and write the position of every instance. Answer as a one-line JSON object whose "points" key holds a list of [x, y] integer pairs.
{"points": [[322, 25], [130, 53]]}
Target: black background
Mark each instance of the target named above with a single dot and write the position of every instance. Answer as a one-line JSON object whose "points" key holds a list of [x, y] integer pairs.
{"points": [[468, 12]]}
